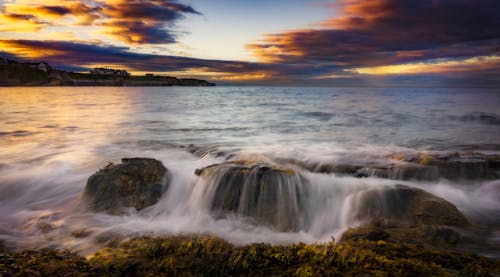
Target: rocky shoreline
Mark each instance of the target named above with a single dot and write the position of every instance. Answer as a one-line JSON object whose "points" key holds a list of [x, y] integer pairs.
{"points": [[403, 231], [201, 255]]}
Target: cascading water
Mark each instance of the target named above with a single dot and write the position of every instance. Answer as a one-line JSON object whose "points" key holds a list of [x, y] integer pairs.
{"points": [[265, 194], [307, 181]]}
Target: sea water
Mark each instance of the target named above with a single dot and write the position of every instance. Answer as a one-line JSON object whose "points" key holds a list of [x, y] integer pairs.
{"points": [[53, 138]]}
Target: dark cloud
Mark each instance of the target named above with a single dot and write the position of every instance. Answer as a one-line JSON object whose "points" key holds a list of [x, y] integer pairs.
{"points": [[132, 21], [144, 22], [76, 56], [381, 32], [56, 10], [82, 55]]}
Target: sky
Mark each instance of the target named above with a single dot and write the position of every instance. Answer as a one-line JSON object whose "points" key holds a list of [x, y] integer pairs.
{"points": [[264, 42]]}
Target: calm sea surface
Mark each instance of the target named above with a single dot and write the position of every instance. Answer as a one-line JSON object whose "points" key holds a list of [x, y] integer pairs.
{"points": [[53, 139]]}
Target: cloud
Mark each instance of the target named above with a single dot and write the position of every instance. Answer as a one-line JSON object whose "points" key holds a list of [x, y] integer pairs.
{"points": [[394, 40], [20, 23], [77, 56], [384, 32], [82, 56], [140, 22], [132, 22]]}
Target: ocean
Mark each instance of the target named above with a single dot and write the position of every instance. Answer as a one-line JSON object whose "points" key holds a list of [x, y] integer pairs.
{"points": [[52, 139]]}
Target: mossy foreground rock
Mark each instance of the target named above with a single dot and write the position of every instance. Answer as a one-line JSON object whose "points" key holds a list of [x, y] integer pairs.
{"points": [[210, 256], [265, 193], [136, 182]]}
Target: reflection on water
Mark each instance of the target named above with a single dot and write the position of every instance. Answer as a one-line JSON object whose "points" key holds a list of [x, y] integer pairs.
{"points": [[53, 139]]}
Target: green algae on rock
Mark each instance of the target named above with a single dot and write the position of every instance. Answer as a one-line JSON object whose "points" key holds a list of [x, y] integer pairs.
{"points": [[210, 256], [135, 182]]}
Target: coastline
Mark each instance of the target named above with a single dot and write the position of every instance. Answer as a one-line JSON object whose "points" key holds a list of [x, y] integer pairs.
{"points": [[16, 74]]}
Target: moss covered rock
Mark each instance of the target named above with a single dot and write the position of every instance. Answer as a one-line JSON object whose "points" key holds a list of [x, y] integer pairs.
{"points": [[210, 256], [135, 182]]}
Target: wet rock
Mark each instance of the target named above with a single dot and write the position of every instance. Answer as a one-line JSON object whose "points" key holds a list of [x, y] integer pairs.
{"points": [[265, 193], [400, 172], [431, 167], [430, 235], [455, 166], [407, 215], [320, 167], [135, 182], [204, 151], [371, 172], [402, 206], [81, 233]]}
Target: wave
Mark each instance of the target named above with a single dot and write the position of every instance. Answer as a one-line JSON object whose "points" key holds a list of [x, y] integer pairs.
{"points": [[478, 117]]}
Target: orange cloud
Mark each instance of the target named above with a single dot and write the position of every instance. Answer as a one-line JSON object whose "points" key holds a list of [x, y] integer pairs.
{"points": [[19, 23], [132, 21], [384, 32], [472, 64]]}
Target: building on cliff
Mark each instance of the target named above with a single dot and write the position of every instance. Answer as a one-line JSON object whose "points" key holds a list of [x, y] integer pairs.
{"points": [[43, 66], [109, 71]]}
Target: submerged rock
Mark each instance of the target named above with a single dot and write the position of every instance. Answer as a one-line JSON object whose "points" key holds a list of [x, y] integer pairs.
{"points": [[400, 172], [265, 193], [419, 167], [136, 182], [456, 166]]}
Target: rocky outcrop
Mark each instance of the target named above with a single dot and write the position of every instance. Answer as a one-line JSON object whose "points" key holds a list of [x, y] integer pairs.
{"points": [[405, 214], [420, 167], [265, 193], [457, 165], [134, 183]]}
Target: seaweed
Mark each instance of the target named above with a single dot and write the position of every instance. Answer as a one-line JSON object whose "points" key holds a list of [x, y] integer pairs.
{"points": [[203, 255]]}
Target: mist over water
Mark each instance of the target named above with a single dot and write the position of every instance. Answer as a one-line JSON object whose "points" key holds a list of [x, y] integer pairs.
{"points": [[53, 139]]}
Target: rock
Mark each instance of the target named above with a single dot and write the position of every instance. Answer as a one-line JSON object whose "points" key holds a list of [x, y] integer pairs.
{"points": [[405, 206], [136, 182], [371, 172], [320, 167], [436, 236], [400, 172], [455, 166], [431, 167], [406, 215], [262, 192]]}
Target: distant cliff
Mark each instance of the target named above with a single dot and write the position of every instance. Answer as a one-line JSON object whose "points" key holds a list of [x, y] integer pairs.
{"points": [[14, 73]]}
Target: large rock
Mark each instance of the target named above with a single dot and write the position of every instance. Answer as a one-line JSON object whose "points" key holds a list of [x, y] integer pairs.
{"points": [[405, 214], [265, 193], [136, 183], [406, 206]]}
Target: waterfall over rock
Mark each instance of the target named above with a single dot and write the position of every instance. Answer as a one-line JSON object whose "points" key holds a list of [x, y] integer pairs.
{"points": [[265, 193]]}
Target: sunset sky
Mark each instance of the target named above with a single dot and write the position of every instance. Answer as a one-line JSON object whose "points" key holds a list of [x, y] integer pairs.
{"points": [[344, 42]]}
